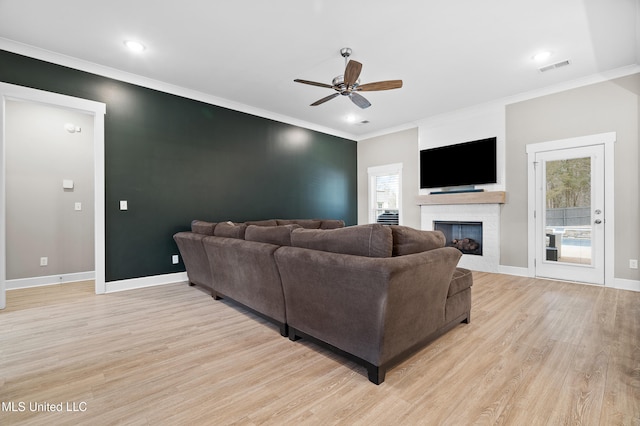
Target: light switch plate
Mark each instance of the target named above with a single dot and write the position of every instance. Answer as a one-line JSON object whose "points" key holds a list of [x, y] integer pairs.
{"points": [[123, 205], [175, 259]]}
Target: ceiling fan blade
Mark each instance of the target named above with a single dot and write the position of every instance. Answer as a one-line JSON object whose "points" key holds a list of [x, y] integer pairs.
{"points": [[380, 85], [359, 100], [325, 99], [352, 72], [313, 83]]}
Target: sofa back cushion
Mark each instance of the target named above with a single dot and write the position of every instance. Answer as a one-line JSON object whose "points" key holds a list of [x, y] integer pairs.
{"points": [[407, 240], [278, 235], [331, 223], [305, 223], [230, 230], [372, 240], [268, 222], [202, 227]]}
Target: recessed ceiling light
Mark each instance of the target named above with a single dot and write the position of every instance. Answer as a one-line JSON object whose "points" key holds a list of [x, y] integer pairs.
{"points": [[134, 46], [351, 118], [542, 56]]}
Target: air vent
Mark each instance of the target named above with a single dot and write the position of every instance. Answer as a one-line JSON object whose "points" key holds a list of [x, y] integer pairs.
{"points": [[364, 122], [554, 66]]}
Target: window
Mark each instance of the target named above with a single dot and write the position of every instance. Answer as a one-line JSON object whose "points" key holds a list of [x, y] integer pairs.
{"points": [[385, 189]]}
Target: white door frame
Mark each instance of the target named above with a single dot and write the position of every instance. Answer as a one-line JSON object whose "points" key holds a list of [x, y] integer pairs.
{"points": [[606, 139], [98, 110]]}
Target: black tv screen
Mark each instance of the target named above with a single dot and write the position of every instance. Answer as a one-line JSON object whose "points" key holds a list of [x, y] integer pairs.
{"points": [[469, 163]]}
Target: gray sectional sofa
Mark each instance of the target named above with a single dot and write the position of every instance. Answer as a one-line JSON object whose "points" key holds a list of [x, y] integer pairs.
{"points": [[373, 293]]}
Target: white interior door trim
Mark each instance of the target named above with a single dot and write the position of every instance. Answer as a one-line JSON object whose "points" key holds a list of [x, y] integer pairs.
{"points": [[606, 139], [98, 110]]}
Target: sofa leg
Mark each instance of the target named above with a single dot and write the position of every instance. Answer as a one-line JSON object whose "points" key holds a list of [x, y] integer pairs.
{"points": [[284, 330], [376, 374], [292, 334], [467, 320], [215, 295], [191, 284]]}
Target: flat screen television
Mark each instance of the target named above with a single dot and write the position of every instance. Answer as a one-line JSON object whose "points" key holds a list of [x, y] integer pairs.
{"points": [[463, 164]]}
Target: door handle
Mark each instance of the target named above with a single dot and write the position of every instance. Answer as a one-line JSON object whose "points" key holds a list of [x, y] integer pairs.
{"points": [[598, 221]]}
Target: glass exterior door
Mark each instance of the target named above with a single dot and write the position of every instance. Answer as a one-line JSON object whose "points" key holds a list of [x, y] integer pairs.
{"points": [[570, 214]]}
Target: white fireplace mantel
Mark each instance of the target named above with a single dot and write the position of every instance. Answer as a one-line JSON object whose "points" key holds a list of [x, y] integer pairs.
{"points": [[478, 207]]}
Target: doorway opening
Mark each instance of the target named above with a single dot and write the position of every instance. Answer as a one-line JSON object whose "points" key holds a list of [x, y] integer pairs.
{"points": [[9, 93]]}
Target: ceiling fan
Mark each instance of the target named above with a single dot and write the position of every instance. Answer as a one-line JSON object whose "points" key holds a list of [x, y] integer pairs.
{"points": [[349, 83]]}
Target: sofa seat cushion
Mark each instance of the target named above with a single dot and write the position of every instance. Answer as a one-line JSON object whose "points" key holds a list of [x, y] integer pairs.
{"points": [[373, 240], [202, 227], [278, 235], [305, 223], [230, 230], [408, 240], [462, 280]]}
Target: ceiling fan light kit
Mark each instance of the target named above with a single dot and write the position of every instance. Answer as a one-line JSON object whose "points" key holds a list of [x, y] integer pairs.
{"points": [[348, 84]]}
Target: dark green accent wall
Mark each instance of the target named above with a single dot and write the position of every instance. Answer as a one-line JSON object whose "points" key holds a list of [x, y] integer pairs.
{"points": [[175, 159]]}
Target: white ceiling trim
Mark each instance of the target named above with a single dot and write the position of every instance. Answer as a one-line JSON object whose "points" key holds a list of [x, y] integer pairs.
{"points": [[472, 110], [82, 65], [101, 70]]}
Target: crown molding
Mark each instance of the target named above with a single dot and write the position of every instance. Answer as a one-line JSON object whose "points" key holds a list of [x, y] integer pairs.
{"points": [[127, 77]]}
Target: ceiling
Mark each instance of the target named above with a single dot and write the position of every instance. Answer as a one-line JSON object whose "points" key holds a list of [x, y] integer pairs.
{"points": [[246, 53]]}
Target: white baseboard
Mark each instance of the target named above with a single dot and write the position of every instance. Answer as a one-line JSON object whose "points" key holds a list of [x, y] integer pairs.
{"points": [[133, 283], [618, 283], [49, 280], [623, 284], [513, 270]]}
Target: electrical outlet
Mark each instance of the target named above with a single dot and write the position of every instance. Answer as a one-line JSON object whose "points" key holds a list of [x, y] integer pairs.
{"points": [[175, 259], [123, 205], [44, 261], [633, 263], [78, 206]]}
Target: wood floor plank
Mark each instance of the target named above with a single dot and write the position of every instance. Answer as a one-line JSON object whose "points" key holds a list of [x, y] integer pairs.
{"points": [[536, 352]]}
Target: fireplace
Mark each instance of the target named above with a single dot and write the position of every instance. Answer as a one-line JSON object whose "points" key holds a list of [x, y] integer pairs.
{"points": [[486, 214], [465, 236]]}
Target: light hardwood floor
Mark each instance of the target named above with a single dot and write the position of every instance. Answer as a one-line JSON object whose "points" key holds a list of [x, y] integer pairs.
{"points": [[536, 352]]}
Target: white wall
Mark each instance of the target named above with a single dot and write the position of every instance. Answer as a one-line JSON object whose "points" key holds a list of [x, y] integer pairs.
{"points": [[399, 147], [41, 220], [480, 122]]}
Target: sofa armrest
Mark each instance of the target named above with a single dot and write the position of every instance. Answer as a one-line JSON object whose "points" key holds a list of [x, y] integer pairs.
{"points": [[373, 308], [194, 258], [245, 271]]}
